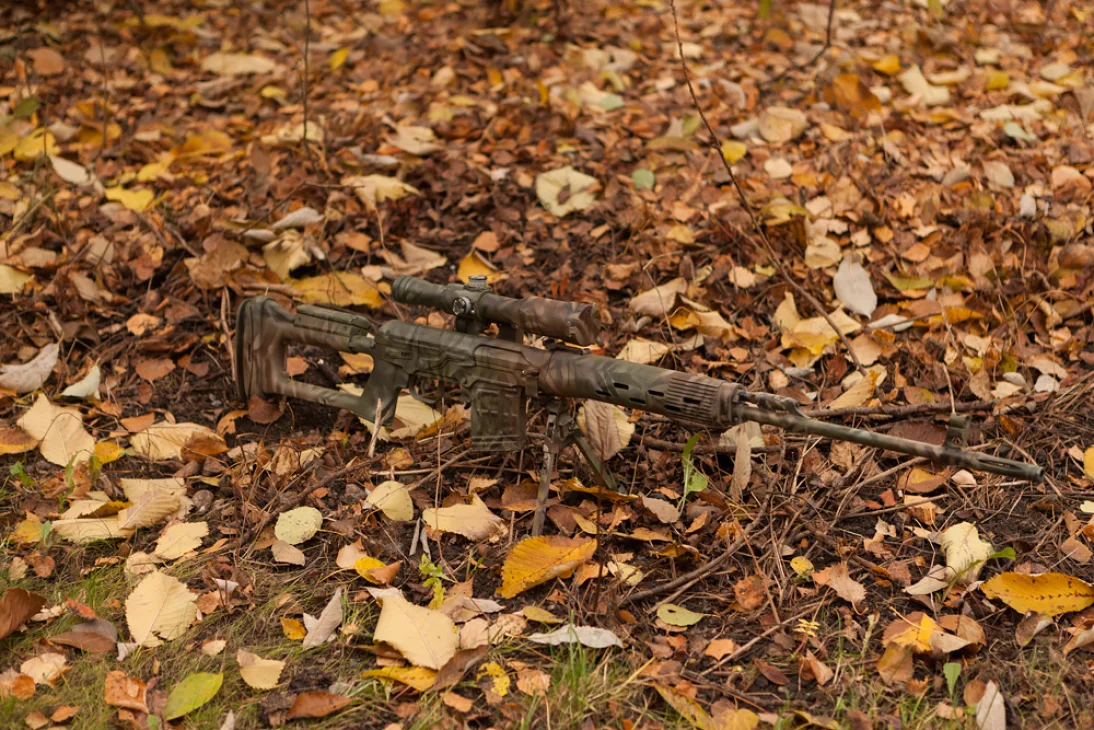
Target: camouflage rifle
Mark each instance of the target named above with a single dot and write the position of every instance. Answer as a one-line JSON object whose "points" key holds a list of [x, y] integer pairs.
{"points": [[499, 375]]}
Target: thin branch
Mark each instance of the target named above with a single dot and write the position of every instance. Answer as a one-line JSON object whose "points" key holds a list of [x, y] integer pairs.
{"points": [[716, 147], [307, 51]]}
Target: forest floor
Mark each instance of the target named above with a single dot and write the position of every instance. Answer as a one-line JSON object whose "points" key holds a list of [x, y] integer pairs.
{"points": [[891, 223]]}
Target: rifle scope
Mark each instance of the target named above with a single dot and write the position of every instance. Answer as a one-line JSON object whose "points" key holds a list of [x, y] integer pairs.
{"points": [[568, 321]]}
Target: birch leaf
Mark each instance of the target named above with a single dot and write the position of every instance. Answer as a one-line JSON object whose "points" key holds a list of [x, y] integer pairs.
{"points": [[160, 608]]}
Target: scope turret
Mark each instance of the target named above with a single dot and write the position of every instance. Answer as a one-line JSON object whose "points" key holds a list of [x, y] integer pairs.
{"points": [[568, 321]]}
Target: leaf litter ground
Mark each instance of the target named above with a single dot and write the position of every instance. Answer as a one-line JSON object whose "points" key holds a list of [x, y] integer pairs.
{"points": [[929, 173]]}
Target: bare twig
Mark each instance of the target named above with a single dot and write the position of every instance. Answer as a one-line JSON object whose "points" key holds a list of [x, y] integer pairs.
{"points": [[307, 50], [716, 147]]}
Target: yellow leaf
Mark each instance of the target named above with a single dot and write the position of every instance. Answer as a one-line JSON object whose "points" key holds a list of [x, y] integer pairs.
{"points": [[60, 431], [540, 615], [889, 65], [342, 289], [393, 499], [298, 525], [501, 681], [734, 151], [997, 81], [565, 190], [338, 59], [135, 200], [209, 142], [536, 560], [1088, 462], [426, 638], [375, 189], [473, 264], [915, 635], [1049, 594], [418, 678], [364, 566], [28, 532], [8, 141], [89, 530], [293, 629], [153, 170], [857, 394], [108, 451], [34, 145], [258, 672], [801, 565]]}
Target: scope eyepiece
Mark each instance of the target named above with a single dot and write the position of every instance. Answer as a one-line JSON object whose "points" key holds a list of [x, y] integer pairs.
{"points": [[568, 321]]}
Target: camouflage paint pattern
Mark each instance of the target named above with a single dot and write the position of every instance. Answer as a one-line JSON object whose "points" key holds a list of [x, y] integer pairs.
{"points": [[498, 376]]}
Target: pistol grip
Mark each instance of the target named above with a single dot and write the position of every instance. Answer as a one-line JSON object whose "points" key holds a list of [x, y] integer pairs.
{"points": [[384, 385]]}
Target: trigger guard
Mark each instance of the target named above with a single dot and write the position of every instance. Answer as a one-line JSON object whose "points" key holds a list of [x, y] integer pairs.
{"points": [[412, 388]]}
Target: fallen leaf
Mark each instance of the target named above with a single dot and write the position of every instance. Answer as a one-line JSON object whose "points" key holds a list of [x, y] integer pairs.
{"points": [[991, 710], [316, 704], [854, 288], [1049, 594], [590, 636], [837, 578], [664, 511], [339, 289], [659, 301], [164, 441], [427, 638], [237, 64], [135, 200], [287, 554], [59, 431], [180, 538], [298, 525], [323, 628], [375, 189], [674, 615], [965, 552], [536, 560], [126, 692], [191, 693], [419, 678], [159, 608], [606, 426], [474, 521], [45, 668], [16, 607], [258, 672], [565, 190], [393, 499]]}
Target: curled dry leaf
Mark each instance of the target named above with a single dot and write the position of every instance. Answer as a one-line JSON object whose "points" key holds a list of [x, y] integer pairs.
{"points": [[606, 427], [590, 636], [322, 629], [163, 441], [126, 692], [661, 300], [16, 608], [965, 552], [31, 375]]}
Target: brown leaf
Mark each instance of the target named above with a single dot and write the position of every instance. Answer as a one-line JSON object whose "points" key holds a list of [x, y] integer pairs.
{"points": [[772, 673], [125, 691], [95, 636], [837, 577], [895, 665], [751, 592], [263, 411], [316, 704], [152, 370], [16, 607]]}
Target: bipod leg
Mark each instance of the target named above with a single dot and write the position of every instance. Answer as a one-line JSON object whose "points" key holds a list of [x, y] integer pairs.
{"points": [[555, 442], [603, 477]]}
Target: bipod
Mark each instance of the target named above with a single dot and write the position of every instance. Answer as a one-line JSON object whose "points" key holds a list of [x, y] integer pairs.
{"points": [[563, 432]]}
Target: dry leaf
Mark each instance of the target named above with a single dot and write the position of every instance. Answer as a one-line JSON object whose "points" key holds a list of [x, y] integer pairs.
{"points": [[425, 637], [258, 672], [159, 608], [180, 538], [393, 499], [1049, 594], [854, 288], [298, 525], [659, 301], [16, 607], [837, 578], [125, 692], [590, 636], [965, 552], [474, 521], [536, 560], [316, 704], [322, 629], [606, 427], [31, 375], [164, 441], [565, 190], [60, 432]]}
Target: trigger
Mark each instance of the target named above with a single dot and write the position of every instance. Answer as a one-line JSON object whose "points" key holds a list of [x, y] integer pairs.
{"points": [[412, 386]]}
